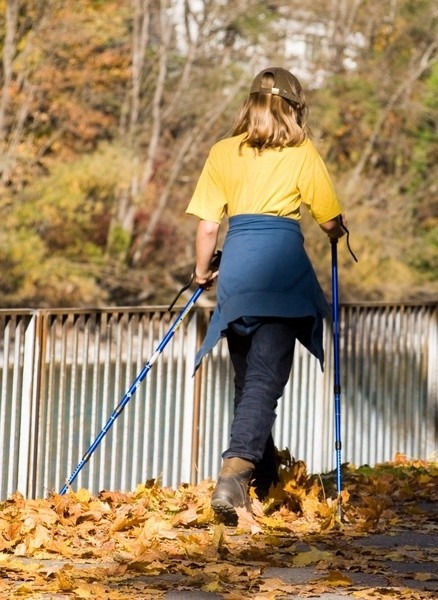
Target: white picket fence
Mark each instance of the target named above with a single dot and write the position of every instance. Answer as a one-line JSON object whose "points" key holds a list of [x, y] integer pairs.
{"points": [[62, 373]]}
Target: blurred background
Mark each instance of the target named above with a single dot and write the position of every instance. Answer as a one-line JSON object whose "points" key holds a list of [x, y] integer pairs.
{"points": [[108, 109]]}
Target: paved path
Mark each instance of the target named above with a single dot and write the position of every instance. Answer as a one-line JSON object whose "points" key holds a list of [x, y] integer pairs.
{"points": [[404, 566], [401, 565], [392, 564]]}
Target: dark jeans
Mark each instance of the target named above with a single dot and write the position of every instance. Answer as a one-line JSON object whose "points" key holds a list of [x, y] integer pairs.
{"points": [[262, 362]]}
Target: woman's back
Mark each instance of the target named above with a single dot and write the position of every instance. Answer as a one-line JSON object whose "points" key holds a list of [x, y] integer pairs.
{"points": [[237, 180]]}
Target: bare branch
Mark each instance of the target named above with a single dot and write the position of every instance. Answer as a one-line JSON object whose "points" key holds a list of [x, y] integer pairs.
{"points": [[191, 141], [165, 31], [424, 62], [139, 43]]}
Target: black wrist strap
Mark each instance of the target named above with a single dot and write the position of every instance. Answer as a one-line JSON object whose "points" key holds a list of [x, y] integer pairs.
{"points": [[348, 238], [182, 290], [214, 265], [348, 243]]}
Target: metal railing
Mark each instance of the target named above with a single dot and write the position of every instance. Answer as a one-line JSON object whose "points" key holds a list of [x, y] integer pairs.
{"points": [[62, 372]]}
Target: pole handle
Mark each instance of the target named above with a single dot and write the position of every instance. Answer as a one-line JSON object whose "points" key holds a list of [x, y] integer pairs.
{"points": [[214, 265]]}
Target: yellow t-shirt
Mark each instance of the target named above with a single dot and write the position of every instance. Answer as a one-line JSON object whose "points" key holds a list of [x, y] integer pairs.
{"points": [[275, 182]]}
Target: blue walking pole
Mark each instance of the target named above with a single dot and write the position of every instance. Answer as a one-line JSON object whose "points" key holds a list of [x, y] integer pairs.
{"points": [[336, 373], [336, 357], [129, 394]]}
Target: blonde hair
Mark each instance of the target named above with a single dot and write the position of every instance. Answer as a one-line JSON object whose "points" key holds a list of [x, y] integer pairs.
{"points": [[271, 121]]}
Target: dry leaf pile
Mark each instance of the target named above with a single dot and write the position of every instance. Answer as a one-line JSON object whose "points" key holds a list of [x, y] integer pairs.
{"points": [[141, 544]]}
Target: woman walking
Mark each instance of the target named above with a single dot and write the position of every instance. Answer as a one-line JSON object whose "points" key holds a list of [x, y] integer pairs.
{"points": [[268, 295]]}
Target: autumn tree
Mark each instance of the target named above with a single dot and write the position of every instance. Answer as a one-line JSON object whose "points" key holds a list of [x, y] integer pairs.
{"points": [[370, 72], [188, 80], [108, 108]]}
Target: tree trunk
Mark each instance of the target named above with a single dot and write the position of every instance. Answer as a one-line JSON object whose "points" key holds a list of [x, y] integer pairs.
{"points": [[9, 52], [344, 13], [140, 36], [124, 213], [186, 149]]}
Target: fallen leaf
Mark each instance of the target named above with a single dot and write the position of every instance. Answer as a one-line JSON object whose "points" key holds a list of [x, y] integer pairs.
{"points": [[277, 586], [425, 577], [310, 557], [246, 521], [172, 536], [336, 579]]}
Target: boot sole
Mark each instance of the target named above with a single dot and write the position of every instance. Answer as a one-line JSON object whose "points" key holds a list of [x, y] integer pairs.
{"points": [[225, 511]]}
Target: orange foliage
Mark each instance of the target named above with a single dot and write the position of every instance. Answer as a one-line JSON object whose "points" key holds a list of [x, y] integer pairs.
{"points": [[157, 538]]}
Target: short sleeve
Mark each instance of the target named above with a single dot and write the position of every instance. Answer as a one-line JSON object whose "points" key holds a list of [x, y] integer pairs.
{"points": [[316, 188], [209, 200]]}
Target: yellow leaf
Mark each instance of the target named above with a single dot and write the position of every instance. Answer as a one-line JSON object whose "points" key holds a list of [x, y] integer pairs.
{"points": [[213, 586], [24, 589], [310, 557], [336, 579], [274, 522], [10, 530], [20, 549], [148, 568], [88, 591], [29, 523], [271, 584], [274, 586], [188, 517], [82, 495], [85, 593], [272, 595], [400, 459], [39, 538], [114, 497], [424, 576], [246, 521], [65, 581], [217, 537], [14, 565]]}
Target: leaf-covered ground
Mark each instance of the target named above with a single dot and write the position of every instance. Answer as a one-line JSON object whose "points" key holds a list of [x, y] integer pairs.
{"points": [[142, 544]]}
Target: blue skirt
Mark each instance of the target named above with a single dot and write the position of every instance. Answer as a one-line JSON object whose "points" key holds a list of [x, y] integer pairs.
{"points": [[265, 272]]}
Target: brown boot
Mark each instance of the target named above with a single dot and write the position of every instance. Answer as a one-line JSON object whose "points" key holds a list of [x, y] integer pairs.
{"points": [[231, 490]]}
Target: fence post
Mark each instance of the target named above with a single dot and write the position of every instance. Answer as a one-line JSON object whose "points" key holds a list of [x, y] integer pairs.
{"points": [[201, 317], [38, 392], [27, 387], [432, 385]]}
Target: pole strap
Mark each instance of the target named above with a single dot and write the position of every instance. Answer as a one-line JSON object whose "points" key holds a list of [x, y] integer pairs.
{"points": [[348, 240], [214, 265], [182, 290]]}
